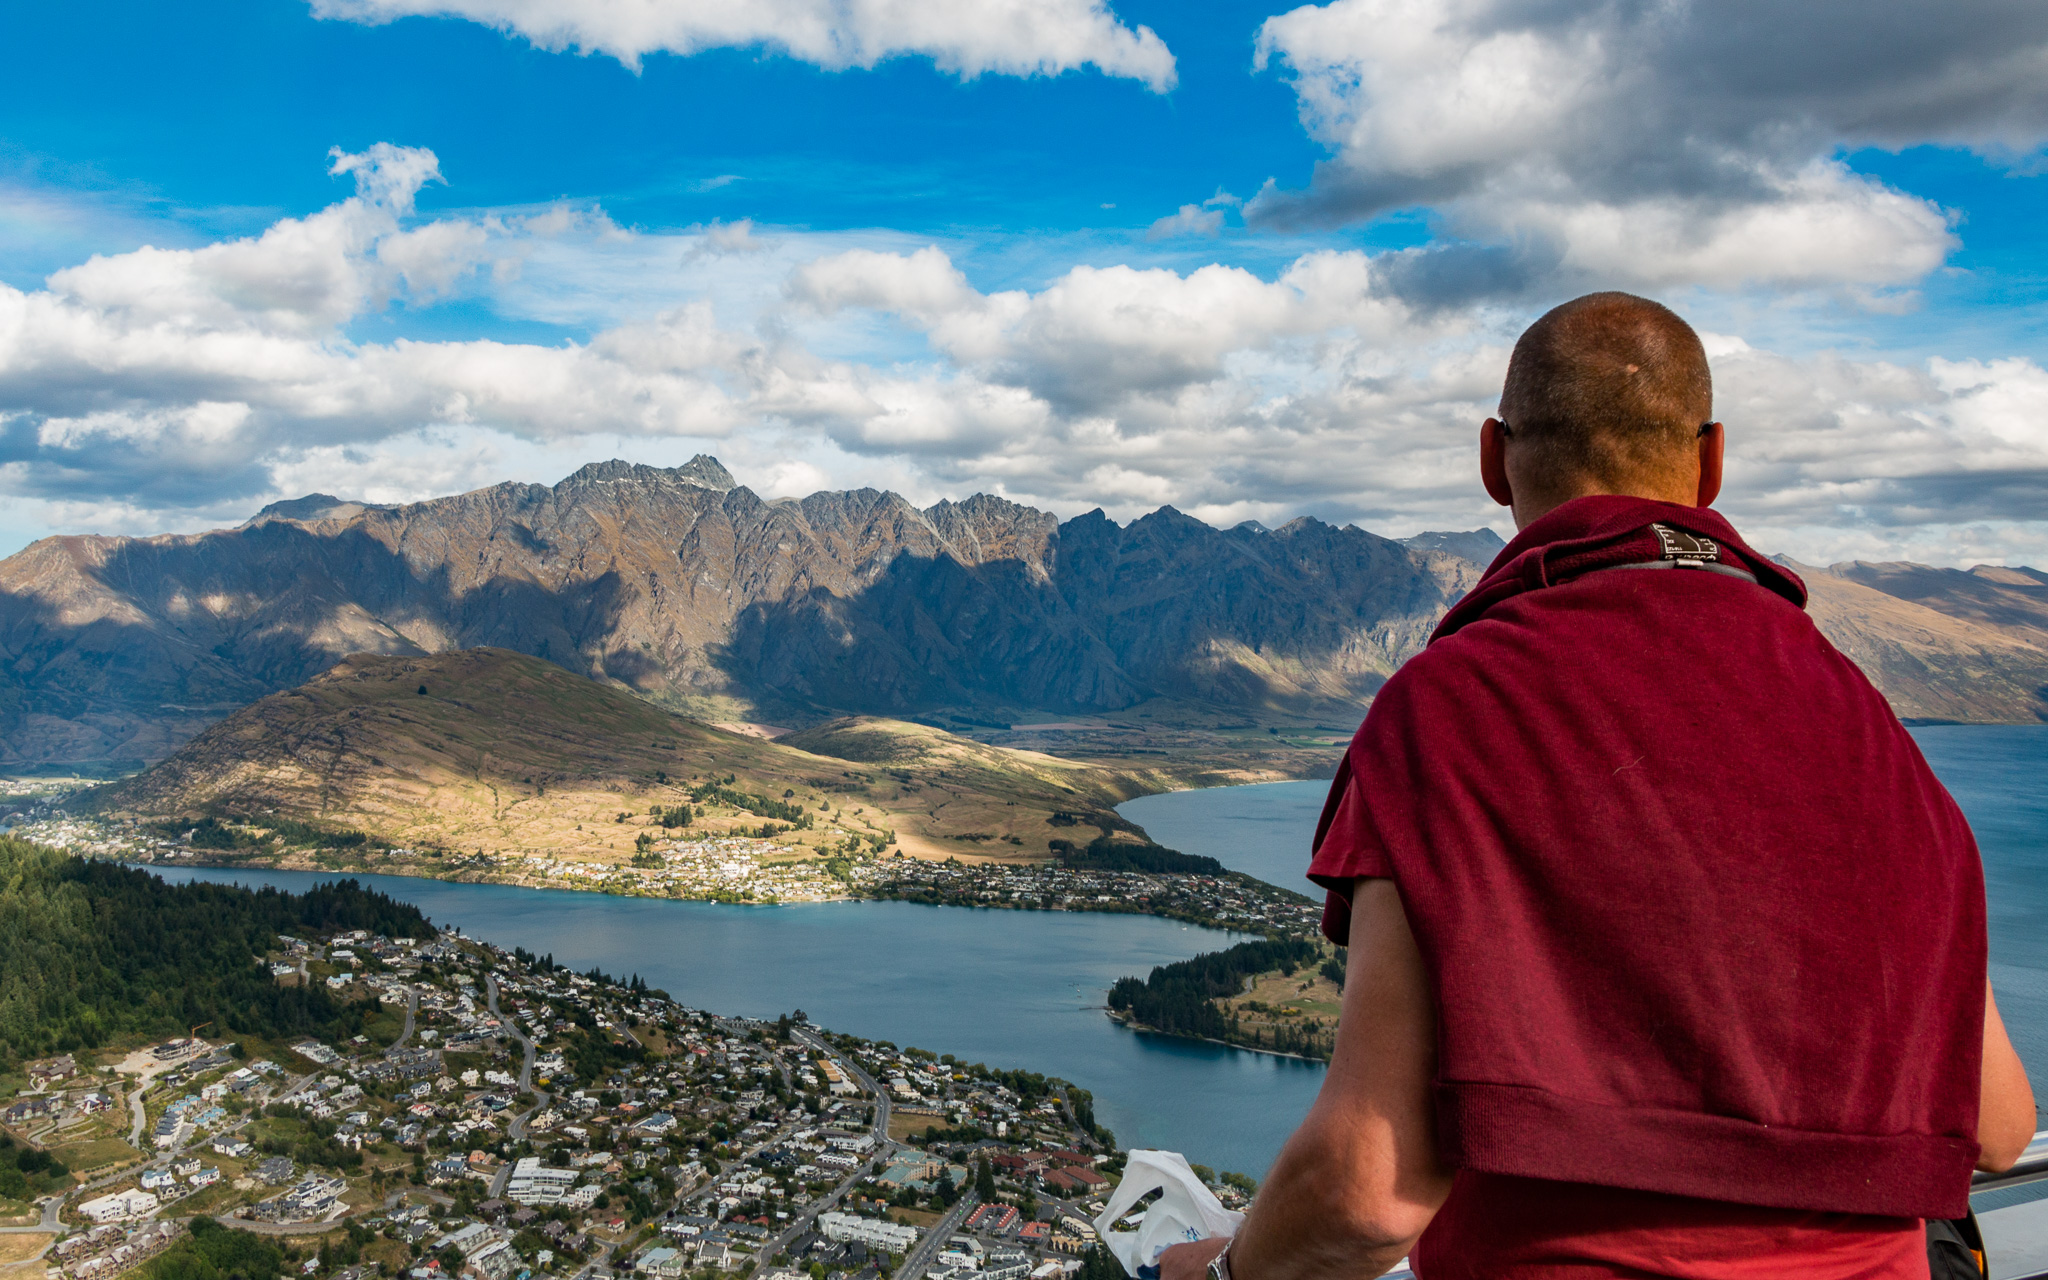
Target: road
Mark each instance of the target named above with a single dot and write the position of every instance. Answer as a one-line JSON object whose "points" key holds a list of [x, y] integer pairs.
{"points": [[867, 1081], [284, 1228], [412, 1004], [802, 1221], [935, 1239], [51, 1206], [517, 1129], [141, 1121]]}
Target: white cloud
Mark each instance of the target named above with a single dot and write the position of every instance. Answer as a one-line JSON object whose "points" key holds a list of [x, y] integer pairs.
{"points": [[723, 238], [161, 386], [1683, 142], [1191, 220], [965, 37]]}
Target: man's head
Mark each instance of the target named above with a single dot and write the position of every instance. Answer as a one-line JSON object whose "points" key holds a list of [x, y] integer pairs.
{"points": [[1609, 393]]}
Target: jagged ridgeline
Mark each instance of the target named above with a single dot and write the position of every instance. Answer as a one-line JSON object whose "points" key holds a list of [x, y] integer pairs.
{"points": [[688, 589], [95, 951], [692, 591]]}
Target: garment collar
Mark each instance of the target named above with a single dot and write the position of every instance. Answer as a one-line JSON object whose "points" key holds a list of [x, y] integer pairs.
{"points": [[1602, 531]]}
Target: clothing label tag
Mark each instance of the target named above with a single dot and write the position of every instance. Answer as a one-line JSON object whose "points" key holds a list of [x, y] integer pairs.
{"points": [[1687, 548]]}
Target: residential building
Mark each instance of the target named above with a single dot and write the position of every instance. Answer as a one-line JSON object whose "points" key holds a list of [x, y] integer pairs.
{"points": [[891, 1236], [534, 1183], [662, 1264], [119, 1206], [992, 1218]]}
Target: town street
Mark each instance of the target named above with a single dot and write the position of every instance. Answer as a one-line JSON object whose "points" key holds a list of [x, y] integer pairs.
{"points": [[935, 1239], [517, 1129]]}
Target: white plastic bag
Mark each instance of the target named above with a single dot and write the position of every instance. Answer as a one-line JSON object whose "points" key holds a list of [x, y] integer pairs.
{"points": [[1186, 1210]]}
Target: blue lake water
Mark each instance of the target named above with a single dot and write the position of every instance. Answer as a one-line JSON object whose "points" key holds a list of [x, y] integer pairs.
{"points": [[1009, 988], [1997, 773], [1025, 989]]}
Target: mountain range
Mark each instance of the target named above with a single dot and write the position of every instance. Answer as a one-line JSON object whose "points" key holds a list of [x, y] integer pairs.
{"points": [[697, 594]]}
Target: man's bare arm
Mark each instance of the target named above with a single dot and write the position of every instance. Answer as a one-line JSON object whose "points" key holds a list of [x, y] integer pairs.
{"points": [[2005, 1107], [1357, 1183]]}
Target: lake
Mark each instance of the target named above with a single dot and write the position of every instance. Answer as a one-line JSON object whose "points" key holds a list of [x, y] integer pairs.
{"points": [[1009, 988], [1025, 989], [1997, 773]]}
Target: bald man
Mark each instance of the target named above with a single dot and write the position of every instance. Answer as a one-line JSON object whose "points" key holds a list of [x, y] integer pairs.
{"points": [[1667, 952]]}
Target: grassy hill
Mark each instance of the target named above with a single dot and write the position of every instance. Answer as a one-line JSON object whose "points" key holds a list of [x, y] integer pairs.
{"points": [[487, 749]]}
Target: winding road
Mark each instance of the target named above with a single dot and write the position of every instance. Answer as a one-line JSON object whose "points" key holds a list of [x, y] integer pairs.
{"points": [[517, 1129], [412, 1004]]}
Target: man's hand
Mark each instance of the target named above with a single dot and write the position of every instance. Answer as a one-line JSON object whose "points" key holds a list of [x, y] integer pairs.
{"points": [[1190, 1261]]}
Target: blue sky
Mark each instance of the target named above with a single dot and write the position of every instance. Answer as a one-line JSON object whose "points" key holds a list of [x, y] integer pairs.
{"points": [[1256, 261]]}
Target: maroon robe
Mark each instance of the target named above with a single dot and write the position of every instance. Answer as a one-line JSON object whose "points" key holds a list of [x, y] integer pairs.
{"points": [[1697, 916]]}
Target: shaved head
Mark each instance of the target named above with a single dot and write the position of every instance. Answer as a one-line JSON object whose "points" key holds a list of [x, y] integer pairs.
{"points": [[1609, 388]]}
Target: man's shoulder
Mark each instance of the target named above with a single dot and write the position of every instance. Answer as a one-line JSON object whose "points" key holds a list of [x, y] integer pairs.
{"points": [[1614, 607], [1628, 629]]}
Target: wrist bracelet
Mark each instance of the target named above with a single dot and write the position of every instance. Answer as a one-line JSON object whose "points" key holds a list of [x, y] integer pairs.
{"points": [[1219, 1266]]}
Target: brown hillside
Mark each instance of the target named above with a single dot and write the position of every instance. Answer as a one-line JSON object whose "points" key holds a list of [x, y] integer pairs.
{"points": [[1932, 664], [507, 753]]}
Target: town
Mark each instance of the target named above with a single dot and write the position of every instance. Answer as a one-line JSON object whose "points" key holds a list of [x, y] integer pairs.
{"points": [[501, 1118], [730, 868]]}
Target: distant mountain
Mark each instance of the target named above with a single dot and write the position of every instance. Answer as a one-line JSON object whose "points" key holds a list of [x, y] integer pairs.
{"points": [[314, 507], [485, 749], [1477, 545], [694, 592], [2013, 600], [1943, 644]]}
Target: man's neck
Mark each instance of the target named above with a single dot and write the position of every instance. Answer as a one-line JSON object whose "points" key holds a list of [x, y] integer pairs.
{"points": [[1529, 510]]}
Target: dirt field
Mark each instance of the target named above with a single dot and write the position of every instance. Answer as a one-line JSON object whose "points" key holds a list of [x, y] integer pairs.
{"points": [[903, 1127], [1320, 1000], [97, 1154], [21, 1248]]}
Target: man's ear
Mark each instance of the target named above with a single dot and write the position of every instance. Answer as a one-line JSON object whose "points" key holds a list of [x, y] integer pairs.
{"points": [[1493, 462], [1713, 449]]}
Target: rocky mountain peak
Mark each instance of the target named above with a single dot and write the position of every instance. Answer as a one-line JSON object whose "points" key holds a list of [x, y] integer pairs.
{"points": [[1479, 546], [314, 506], [693, 592], [702, 472]]}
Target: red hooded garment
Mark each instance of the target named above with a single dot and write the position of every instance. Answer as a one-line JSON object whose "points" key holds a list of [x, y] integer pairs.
{"points": [[1698, 918]]}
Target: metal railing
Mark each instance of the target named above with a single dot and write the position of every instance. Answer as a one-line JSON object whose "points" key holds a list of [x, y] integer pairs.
{"points": [[2031, 1167]]}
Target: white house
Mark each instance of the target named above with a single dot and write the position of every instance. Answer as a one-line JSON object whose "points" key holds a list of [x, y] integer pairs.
{"points": [[118, 1206]]}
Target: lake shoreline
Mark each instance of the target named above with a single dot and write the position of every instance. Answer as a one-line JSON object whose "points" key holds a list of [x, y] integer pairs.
{"points": [[1187, 899], [1130, 1025]]}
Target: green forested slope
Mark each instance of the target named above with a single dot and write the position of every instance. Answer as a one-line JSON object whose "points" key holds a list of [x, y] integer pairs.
{"points": [[1180, 998], [90, 951]]}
